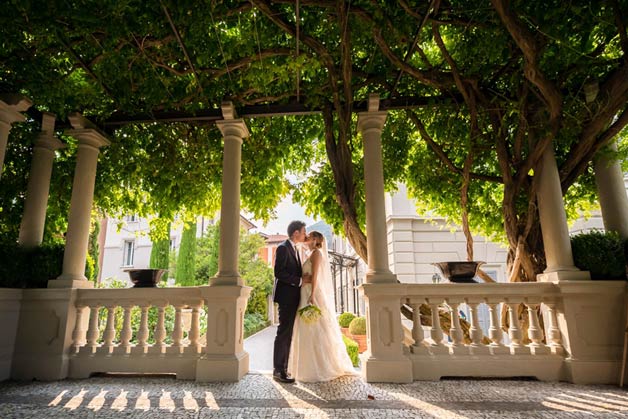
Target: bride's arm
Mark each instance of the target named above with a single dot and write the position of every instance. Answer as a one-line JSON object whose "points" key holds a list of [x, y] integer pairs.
{"points": [[315, 258]]}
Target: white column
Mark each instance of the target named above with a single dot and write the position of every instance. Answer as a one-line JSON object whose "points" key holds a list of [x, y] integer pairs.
{"points": [[10, 107], [560, 265], [371, 124], [233, 131], [611, 192], [34, 217], [77, 237]]}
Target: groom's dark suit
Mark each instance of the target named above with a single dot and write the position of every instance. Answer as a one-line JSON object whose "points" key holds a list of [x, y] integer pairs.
{"points": [[287, 294]]}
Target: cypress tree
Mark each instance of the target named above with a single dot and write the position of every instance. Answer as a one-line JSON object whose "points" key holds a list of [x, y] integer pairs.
{"points": [[159, 254], [185, 260]]}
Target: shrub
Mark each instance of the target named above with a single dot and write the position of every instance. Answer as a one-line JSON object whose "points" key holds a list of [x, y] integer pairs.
{"points": [[345, 319], [352, 350], [358, 326], [253, 322], [600, 253], [29, 267]]}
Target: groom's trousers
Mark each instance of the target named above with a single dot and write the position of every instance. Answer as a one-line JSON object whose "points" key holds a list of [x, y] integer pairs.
{"points": [[281, 352]]}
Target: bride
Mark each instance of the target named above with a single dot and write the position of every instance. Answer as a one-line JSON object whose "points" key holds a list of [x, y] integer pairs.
{"points": [[318, 352]]}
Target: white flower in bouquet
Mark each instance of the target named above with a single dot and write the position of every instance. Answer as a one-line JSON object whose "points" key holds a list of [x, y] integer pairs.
{"points": [[310, 314]]}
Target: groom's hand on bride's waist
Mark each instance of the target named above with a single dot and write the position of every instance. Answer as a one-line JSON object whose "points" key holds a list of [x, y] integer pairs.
{"points": [[306, 279]]}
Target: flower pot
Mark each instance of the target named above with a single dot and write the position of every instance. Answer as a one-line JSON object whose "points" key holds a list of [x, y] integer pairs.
{"points": [[459, 272], [345, 331], [145, 278], [361, 340]]}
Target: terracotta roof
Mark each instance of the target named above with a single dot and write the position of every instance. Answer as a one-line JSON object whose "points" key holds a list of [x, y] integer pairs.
{"points": [[276, 238]]}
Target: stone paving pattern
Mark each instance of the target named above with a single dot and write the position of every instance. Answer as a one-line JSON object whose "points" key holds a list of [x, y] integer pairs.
{"points": [[258, 396]]}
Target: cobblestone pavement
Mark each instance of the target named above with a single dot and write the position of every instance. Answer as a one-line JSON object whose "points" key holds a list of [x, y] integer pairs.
{"points": [[258, 396]]}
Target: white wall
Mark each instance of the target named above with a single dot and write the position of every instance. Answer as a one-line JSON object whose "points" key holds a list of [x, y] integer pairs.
{"points": [[414, 242]]}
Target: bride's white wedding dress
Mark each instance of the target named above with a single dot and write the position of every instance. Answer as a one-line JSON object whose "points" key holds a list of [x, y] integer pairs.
{"points": [[318, 352]]}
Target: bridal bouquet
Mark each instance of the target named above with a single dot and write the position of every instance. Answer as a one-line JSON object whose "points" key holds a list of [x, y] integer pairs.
{"points": [[310, 314]]}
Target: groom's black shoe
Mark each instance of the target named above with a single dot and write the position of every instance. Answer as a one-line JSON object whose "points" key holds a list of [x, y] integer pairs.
{"points": [[282, 377]]}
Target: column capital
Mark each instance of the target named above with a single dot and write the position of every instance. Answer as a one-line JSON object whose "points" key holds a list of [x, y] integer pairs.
{"points": [[86, 131], [46, 139], [11, 104], [233, 127], [373, 118]]}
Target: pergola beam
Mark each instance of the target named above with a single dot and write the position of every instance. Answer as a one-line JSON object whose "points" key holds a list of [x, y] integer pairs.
{"points": [[261, 111]]}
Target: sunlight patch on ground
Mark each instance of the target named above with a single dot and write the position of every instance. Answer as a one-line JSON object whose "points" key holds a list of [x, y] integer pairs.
{"points": [[76, 401], [436, 411], [189, 402], [143, 402], [98, 401], [120, 402], [57, 399]]}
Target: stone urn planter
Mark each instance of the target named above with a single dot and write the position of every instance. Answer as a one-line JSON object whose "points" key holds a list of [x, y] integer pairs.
{"points": [[145, 278], [459, 272]]}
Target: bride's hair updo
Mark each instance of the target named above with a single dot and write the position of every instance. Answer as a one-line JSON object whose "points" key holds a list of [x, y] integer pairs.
{"points": [[318, 239]]}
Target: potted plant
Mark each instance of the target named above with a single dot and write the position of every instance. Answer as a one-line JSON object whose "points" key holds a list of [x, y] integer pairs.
{"points": [[145, 278], [460, 272], [344, 320], [357, 331]]}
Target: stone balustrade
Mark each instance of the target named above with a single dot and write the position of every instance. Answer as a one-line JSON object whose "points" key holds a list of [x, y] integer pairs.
{"points": [[505, 348], [568, 330], [112, 332]]}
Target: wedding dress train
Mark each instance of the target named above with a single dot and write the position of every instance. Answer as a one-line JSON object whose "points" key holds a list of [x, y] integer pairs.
{"points": [[318, 352]]}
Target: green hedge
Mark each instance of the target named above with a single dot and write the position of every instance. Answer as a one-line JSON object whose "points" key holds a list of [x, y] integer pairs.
{"points": [[345, 319], [33, 267], [358, 326], [352, 350], [600, 253], [29, 268]]}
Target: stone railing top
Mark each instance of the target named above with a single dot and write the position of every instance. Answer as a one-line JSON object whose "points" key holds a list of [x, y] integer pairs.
{"points": [[493, 291], [140, 296]]}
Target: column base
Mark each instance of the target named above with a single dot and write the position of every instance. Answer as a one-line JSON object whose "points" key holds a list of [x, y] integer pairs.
{"points": [[560, 276], [593, 372], [380, 278], [387, 370], [70, 283], [227, 279], [222, 368]]}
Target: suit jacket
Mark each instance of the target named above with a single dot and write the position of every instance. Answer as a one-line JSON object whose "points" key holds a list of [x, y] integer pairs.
{"points": [[288, 273]]}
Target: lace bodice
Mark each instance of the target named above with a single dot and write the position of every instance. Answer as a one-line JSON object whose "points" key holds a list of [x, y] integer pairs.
{"points": [[307, 267]]}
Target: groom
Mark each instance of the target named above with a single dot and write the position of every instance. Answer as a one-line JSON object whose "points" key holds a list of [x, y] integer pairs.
{"points": [[287, 293]]}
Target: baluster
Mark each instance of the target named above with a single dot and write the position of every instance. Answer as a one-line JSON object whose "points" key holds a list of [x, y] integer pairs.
{"points": [[194, 333], [110, 329], [495, 331], [514, 331], [142, 333], [436, 331], [177, 332], [126, 333], [455, 331], [78, 334], [534, 331], [93, 332], [417, 329], [475, 331], [160, 329], [554, 337]]}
